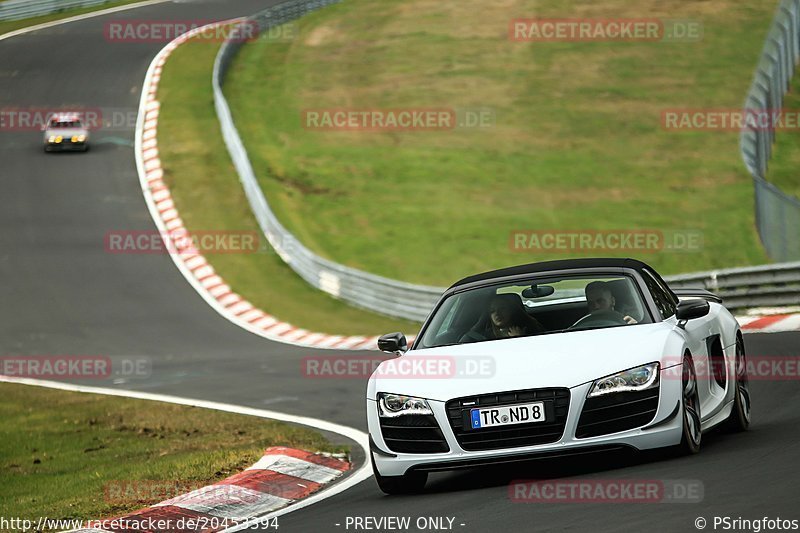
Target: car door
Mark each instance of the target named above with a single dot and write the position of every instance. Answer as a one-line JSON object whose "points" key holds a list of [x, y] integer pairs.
{"points": [[697, 333]]}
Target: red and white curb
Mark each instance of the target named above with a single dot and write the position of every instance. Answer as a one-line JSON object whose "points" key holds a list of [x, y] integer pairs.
{"points": [[282, 476], [770, 323], [193, 265]]}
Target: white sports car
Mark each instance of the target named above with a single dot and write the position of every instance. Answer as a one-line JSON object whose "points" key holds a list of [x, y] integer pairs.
{"points": [[555, 358], [65, 132]]}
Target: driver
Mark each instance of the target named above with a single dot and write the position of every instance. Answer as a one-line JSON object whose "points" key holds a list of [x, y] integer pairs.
{"points": [[599, 298], [507, 318]]}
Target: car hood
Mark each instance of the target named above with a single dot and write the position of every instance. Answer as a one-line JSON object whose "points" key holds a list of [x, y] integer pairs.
{"points": [[66, 132], [554, 360]]}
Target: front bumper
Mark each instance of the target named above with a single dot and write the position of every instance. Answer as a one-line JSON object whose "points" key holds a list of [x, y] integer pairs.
{"points": [[66, 147], [664, 430]]}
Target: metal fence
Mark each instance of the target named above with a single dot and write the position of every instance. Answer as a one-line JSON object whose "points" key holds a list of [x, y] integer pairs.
{"points": [[746, 287], [21, 9], [771, 285], [777, 214]]}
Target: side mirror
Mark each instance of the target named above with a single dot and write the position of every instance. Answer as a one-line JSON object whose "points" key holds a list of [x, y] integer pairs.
{"points": [[393, 343], [689, 309]]}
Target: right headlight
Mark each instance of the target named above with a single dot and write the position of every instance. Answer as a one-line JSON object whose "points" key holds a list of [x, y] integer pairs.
{"points": [[634, 379], [393, 405]]}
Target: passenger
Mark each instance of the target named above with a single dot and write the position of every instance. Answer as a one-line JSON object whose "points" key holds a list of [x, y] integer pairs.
{"points": [[599, 298]]}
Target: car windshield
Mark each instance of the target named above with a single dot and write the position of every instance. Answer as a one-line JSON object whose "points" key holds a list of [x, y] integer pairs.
{"points": [[65, 124], [535, 307]]}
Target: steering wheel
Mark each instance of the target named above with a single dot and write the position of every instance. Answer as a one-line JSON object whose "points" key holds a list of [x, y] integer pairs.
{"points": [[471, 336], [600, 319]]}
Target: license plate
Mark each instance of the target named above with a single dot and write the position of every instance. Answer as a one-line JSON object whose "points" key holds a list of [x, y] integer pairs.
{"points": [[507, 415]]}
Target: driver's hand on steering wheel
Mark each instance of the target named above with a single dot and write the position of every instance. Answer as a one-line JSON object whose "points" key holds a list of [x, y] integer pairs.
{"points": [[630, 319]]}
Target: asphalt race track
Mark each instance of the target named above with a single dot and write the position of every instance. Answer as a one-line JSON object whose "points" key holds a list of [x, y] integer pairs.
{"points": [[62, 293]]}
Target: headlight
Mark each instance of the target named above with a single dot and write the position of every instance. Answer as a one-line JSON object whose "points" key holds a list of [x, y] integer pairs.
{"points": [[393, 405], [78, 138], [59, 138], [51, 139], [634, 379]]}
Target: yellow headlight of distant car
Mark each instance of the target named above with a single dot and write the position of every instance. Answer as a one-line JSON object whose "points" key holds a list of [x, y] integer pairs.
{"points": [[51, 139], [59, 138]]}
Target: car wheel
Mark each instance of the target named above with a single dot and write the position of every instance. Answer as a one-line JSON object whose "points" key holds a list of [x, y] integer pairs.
{"points": [[409, 483], [740, 415], [690, 399]]}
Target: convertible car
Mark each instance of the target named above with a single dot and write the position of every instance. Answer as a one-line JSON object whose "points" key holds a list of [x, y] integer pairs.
{"points": [[586, 354]]}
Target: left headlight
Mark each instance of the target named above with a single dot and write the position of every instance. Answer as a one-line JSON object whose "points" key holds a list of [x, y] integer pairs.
{"points": [[393, 405], [634, 379]]}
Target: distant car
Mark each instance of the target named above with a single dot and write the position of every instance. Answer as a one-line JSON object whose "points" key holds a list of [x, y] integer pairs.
{"points": [[588, 355], [65, 131]]}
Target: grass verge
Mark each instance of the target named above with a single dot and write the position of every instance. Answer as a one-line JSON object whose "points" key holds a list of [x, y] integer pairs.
{"points": [[11, 25], [71, 455], [208, 195], [577, 142], [784, 168]]}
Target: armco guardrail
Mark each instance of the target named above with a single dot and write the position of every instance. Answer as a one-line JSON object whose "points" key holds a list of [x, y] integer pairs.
{"points": [[777, 214], [772, 285], [376, 293], [741, 288], [21, 9]]}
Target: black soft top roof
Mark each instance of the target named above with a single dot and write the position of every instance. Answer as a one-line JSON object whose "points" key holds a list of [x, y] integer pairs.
{"points": [[561, 264]]}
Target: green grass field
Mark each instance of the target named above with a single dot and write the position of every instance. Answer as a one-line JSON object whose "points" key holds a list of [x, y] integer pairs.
{"points": [[208, 195], [577, 142], [783, 168], [11, 25], [77, 455]]}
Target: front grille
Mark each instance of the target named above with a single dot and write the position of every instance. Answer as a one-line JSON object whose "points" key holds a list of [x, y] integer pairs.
{"points": [[413, 434], [556, 406], [617, 412]]}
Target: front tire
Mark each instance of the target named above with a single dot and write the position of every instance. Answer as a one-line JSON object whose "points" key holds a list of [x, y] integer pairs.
{"points": [[690, 400], [739, 420], [409, 483]]}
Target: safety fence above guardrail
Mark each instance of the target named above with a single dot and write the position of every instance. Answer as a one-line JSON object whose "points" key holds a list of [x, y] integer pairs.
{"points": [[772, 285], [777, 214], [22, 9]]}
